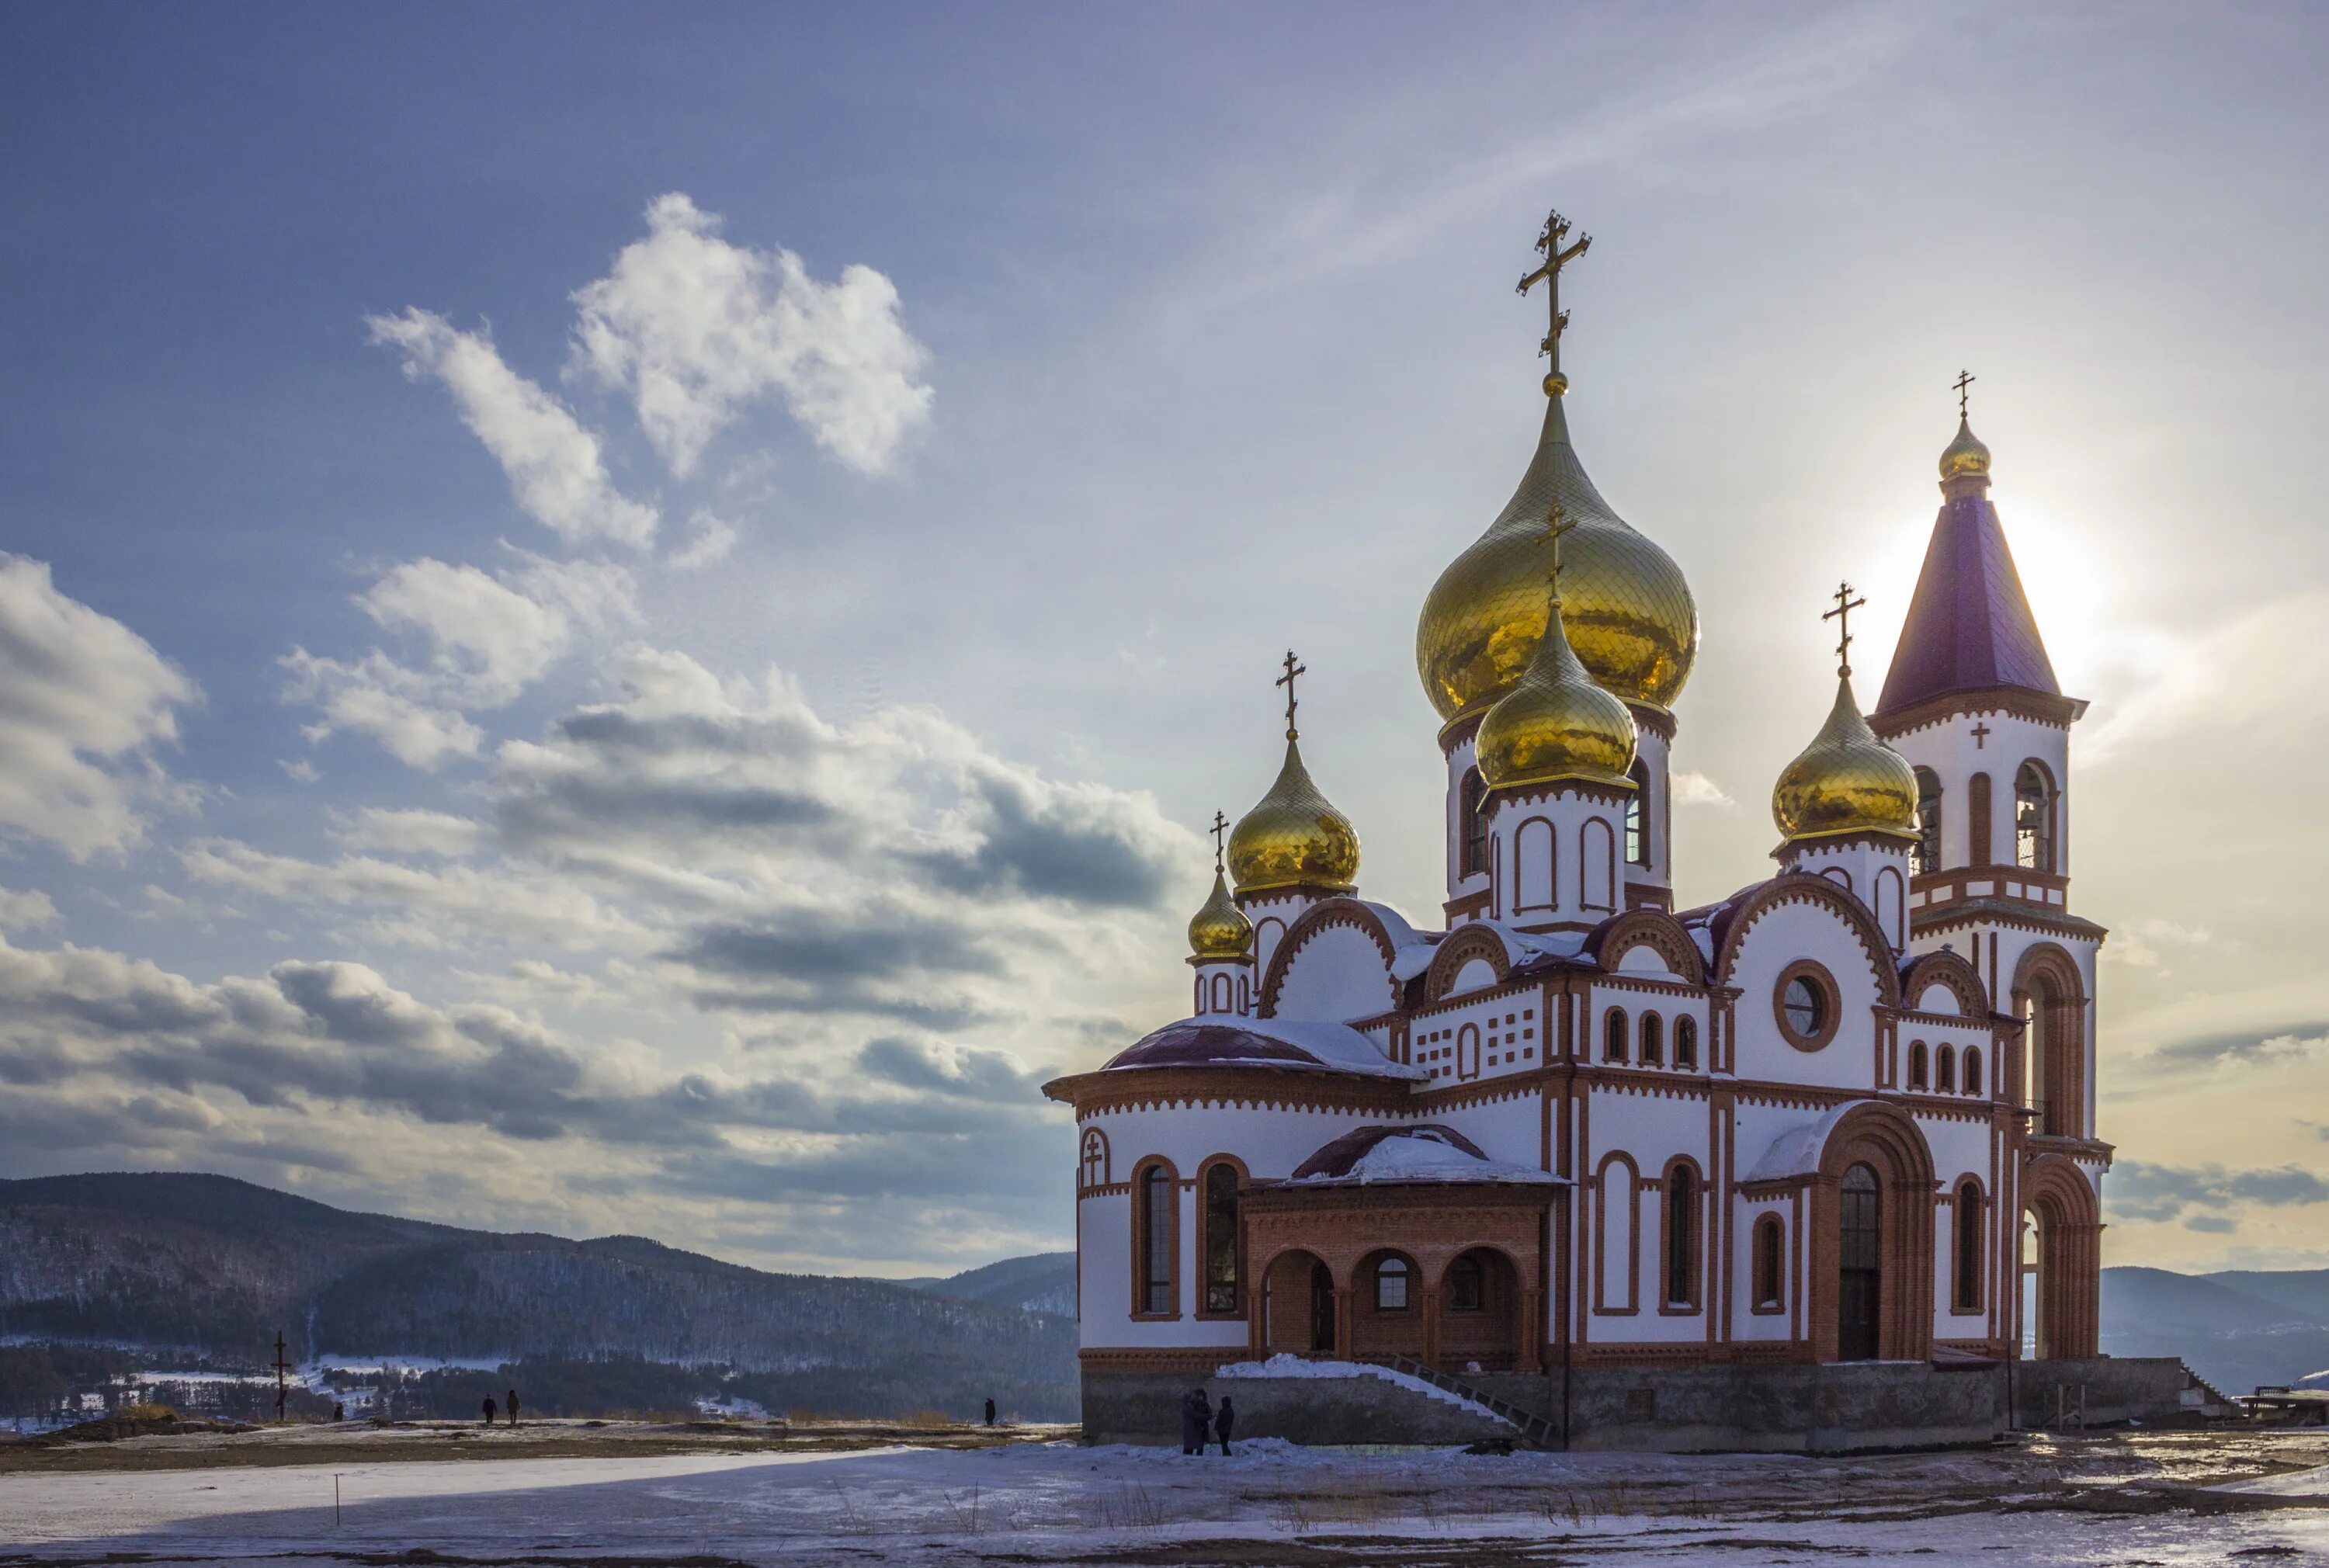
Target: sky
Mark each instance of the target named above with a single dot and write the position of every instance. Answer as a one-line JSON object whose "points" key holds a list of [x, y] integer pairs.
{"points": [[626, 619]]}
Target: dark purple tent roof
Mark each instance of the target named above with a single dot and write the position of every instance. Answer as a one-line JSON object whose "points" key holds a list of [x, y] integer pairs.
{"points": [[1970, 626]]}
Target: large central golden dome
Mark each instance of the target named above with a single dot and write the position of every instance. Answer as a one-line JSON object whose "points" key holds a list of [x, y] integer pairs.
{"points": [[1629, 611]]}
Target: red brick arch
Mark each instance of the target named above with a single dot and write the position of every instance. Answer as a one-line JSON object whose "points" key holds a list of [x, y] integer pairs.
{"points": [[2059, 1199], [1884, 1139]]}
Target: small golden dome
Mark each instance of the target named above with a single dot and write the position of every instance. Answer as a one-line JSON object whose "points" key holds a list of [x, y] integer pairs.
{"points": [[1555, 723], [1846, 780], [1630, 618], [1293, 837], [1964, 457], [1221, 929]]}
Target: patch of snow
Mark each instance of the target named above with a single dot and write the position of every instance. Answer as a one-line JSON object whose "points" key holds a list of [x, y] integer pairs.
{"points": [[1420, 1156], [1285, 1365], [1796, 1151]]}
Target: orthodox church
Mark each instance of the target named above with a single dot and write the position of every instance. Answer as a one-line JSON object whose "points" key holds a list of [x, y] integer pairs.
{"points": [[1844, 1114]]}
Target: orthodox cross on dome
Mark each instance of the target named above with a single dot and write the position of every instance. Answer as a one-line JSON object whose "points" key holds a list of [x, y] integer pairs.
{"points": [[1556, 257], [1964, 378], [1557, 523], [1842, 616], [1286, 680], [1221, 834]]}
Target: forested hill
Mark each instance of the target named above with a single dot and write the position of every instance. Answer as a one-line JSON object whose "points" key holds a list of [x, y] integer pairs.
{"points": [[211, 1265]]}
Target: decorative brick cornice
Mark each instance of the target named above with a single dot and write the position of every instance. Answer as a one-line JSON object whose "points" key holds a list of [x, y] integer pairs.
{"points": [[1801, 889], [1334, 912], [2018, 701]]}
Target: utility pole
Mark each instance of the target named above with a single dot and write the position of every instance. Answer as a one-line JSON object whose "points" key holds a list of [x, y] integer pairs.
{"points": [[282, 1386]]}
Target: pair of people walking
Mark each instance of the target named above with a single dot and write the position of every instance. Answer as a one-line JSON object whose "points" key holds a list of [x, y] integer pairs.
{"points": [[1200, 1417], [511, 1407]]}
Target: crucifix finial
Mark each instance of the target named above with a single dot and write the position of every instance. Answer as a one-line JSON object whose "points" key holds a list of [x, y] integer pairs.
{"points": [[1556, 257], [1557, 523], [1842, 616], [1964, 378], [1286, 680], [1221, 834]]}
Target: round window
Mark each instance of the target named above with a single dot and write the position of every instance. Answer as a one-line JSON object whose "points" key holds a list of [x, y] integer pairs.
{"points": [[1805, 1005]]}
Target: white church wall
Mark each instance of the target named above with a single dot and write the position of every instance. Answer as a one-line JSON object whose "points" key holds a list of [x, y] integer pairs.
{"points": [[1510, 1130], [1337, 973], [1270, 1140], [1955, 751], [1782, 935], [1746, 1324], [1490, 1037]]}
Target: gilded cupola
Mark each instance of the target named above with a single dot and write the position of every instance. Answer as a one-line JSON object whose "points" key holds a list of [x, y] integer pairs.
{"points": [[1964, 457], [1846, 780], [1219, 930], [1293, 837], [1555, 723], [1629, 615]]}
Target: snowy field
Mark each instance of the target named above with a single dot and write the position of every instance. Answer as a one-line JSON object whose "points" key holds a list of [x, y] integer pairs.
{"points": [[2168, 1500]]}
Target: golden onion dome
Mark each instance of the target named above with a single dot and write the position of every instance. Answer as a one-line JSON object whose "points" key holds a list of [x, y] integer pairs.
{"points": [[1846, 780], [1220, 929], [1629, 611], [1555, 723], [1293, 837], [1964, 457]]}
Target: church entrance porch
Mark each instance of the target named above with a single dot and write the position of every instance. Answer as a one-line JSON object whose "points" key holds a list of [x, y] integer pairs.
{"points": [[1449, 1274], [2061, 1261], [1871, 1232]]}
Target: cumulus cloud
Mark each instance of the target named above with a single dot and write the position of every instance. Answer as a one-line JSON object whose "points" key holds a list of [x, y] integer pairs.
{"points": [[1695, 789], [408, 832], [23, 911], [85, 702], [483, 640], [709, 539], [693, 328], [556, 470]]}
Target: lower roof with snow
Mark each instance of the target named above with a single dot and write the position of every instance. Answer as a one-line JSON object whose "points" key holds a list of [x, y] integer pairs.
{"points": [[1426, 1153], [1304, 1046]]}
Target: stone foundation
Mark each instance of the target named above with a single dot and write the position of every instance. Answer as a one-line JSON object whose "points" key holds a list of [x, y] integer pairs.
{"points": [[1833, 1409]]}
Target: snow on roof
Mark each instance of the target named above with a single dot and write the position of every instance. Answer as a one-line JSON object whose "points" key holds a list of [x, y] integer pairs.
{"points": [[1410, 950], [1248, 1042], [1796, 1151], [1427, 1152]]}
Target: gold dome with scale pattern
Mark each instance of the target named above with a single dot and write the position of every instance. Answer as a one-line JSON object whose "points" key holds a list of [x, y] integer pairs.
{"points": [[1846, 780], [1629, 611]]}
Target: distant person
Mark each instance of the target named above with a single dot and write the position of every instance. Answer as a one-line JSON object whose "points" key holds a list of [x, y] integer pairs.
{"points": [[990, 1412], [489, 1410], [1193, 1433], [339, 1411], [1224, 1419], [1204, 1412], [512, 1407]]}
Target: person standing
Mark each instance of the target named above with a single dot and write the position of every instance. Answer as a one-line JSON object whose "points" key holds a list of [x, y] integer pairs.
{"points": [[1192, 1435], [511, 1407], [489, 1410], [1224, 1419], [1204, 1417], [990, 1412]]}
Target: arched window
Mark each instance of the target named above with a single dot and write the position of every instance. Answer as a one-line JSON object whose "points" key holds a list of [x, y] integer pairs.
{"points": [[1466, 1285], [1637, 815], [1944, 1070], [1917, 1079], [1770, 1263], [1973, 1069], [1472, 829], [1686, 1044], [1967, 1273], [1155, 1217], [1092, 1165], [1654, 1041], [1390, 1286], [1221, 1237], [1682, 1236], [2033, 819], [1927, 855], [1613, 1035]]}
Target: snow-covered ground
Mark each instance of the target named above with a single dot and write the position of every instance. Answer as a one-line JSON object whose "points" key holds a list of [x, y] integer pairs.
{"points": [[2101, 1500]]}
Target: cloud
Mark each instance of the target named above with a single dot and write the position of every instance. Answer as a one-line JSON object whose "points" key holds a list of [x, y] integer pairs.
{"points": [[23, 911], [84, 704], [693, 328], [410, 833], [556, 471], [2147, 942], [2233, 1050], [1695, 789], [2169, 686], [709, 539], [2200, 1195], [483, 641]]}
